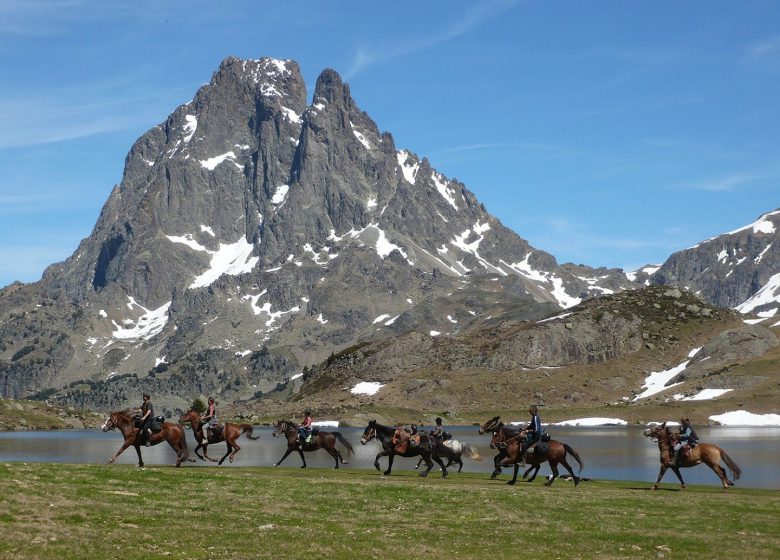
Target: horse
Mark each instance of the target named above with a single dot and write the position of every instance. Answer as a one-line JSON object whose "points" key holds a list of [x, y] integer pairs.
{"points": [[321, 440], [488, 428], [453, 451], [229, 434], [535, 455], [385, 436], [706, 453], [125, 422]]}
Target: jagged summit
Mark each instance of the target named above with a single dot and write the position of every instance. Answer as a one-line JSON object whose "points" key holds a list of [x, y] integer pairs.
{"points": [[254, 233]]}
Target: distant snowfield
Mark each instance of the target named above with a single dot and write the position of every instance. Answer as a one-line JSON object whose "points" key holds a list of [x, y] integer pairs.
{"points": [[366, 388], [591, 422], [745, 418], [706, 394], [326, 424]]}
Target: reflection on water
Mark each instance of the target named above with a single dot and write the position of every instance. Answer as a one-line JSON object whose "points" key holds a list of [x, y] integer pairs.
{"points": [[621, 453]]}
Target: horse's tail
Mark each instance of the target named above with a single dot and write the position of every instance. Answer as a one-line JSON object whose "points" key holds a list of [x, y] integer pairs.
{"points": [[735, 470], [344, 442], [247, 429], [472, 452], [570, 450]]}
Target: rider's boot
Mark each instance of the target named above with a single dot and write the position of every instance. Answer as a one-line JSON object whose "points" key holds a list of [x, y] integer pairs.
{"points": [[205, 440]]}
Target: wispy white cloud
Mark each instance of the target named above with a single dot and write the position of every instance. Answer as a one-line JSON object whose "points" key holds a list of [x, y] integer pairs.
{"points": [[726, 183], [764, 48], [475, 16]]}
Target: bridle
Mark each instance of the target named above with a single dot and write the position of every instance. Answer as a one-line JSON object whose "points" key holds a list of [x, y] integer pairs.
{"points": [[109, 424], [490, 425], [279, 429], [368, 436]]}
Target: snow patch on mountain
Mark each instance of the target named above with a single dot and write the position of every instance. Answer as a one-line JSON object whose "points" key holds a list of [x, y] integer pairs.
{"points": [[232, 259], [443, 186], [212, 163], [146, 326], [768, 294], [409, 167]]}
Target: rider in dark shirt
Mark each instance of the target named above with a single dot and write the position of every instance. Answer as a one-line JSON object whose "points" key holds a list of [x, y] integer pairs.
{"points": [[147, 415], [533, 431], [439, 432], [686, 436]]}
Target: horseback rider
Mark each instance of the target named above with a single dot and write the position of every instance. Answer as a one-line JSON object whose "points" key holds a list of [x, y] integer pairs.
{"points": [[533, 431], [304, 430], [209, 420], [147, 415], [686, 436], [439, 432]]}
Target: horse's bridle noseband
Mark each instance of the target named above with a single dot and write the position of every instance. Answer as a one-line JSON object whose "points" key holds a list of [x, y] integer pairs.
{"points": [[371, 435]]}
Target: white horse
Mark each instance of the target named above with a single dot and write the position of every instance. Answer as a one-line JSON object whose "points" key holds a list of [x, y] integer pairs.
{"points": [[453, 450]]}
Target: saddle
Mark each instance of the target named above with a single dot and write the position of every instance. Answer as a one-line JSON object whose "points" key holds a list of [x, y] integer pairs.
{"points": [[157, 423], [403, 439]]}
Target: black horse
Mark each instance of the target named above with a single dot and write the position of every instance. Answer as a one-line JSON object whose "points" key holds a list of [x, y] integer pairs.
{"points": [[385, 436], [488, 428]]}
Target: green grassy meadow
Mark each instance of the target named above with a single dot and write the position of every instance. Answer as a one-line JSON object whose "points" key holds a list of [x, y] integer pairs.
{"points": [[88, 511]]}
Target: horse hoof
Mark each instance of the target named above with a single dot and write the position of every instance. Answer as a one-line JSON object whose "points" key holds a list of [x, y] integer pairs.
{"points": [[511, 483], [276, 464], [376, 466], [386, 473], [444, 475], [576, 481], [423, 474], [303, 466], [344, 462]]}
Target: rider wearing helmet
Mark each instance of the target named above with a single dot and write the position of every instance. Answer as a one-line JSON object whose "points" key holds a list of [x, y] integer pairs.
{"points": [[304, 430], [209, 420], [533, 431]]}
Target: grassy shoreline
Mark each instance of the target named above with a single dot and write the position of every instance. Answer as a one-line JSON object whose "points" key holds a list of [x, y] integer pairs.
{"points": [[88, 511]]}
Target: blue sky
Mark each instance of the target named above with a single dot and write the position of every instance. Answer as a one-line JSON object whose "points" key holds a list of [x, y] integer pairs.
{"points": [[607, 133]]}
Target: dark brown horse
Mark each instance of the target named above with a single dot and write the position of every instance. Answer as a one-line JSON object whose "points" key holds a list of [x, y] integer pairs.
{"points": [[385, 436], [229, 434], [322, 440], [706, 453], [552, 451], [124, 421], [488, 428]]}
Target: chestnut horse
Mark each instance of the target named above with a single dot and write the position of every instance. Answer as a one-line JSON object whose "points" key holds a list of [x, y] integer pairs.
{"points": [[385, 436], [555, 453], [125, 422], [706, 453], [229, 434], [322, 440]]}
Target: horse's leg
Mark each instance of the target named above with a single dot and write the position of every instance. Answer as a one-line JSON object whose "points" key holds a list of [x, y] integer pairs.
{"points": [[227, 453], [514, 477], [426, 455], [444, 472], [140, 459], [286, 453], [496, 463], [554, 468], [460, 463], [661, 474], [236, 449], [197, 447], [534, 468], [676, 471], [383, 453], [125, 445], [206, 453], [303, 459], [335, 454], [722, 475], [417, 466], [574, 477], [391, 456]]}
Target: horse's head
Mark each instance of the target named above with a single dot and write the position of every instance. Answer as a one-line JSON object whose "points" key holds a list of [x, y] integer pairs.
{"points": [[280, 428], [657, 433], [110, 422], [369, 433], [490, 425], [189, 416], [498, 436]]}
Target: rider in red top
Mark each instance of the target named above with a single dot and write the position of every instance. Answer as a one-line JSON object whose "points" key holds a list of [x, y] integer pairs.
{"points": [[304, 430]]}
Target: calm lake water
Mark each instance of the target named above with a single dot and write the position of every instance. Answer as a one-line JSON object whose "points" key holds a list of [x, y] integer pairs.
{"points": [[613, 453]]}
